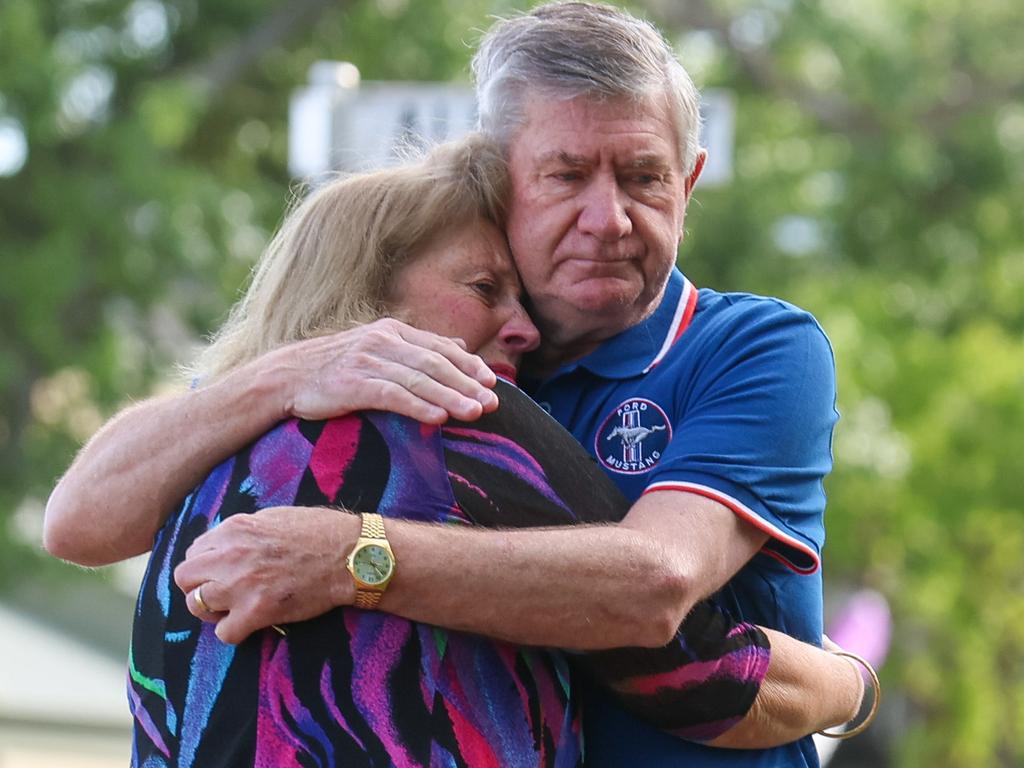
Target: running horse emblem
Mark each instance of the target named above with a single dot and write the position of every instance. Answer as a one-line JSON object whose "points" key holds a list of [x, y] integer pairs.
{"points": [[631, 436], [643, 430]]}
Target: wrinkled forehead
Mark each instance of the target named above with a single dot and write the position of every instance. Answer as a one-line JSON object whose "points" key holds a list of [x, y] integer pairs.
{"points": [[641, 130]]}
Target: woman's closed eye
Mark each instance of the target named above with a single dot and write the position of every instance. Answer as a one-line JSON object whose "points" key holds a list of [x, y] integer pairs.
{"points": [[488, 289]]}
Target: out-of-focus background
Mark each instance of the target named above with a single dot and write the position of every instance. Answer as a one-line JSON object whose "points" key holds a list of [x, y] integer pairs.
{"points": [[877, 179]]}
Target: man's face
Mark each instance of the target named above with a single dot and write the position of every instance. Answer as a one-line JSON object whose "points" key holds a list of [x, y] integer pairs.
{"points": [[598, 200]]}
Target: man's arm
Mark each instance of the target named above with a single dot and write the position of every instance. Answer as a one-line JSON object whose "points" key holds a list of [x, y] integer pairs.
{"points": [[498, 583], [127, 479], [582, 587]]}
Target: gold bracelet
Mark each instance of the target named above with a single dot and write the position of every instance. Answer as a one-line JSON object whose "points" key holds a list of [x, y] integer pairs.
{"points": [[875, 699]]}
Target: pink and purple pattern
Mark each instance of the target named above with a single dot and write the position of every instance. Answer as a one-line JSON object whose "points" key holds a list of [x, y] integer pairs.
{"points": [[350, 688]]}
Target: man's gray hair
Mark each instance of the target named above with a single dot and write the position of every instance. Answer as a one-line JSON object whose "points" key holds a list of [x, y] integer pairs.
{"points": [[569, 49]]}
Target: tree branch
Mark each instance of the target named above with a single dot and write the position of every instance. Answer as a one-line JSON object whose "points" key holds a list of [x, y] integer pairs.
{"points": [[228, 65], [984, 93], [831, 110]]}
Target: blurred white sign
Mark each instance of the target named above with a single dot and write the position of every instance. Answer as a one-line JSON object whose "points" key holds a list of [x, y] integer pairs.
{"points": [[718, 112], [336, 123]]}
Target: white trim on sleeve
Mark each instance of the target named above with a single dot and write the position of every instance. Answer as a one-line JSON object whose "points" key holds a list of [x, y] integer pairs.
{"points": [[776, 533]]}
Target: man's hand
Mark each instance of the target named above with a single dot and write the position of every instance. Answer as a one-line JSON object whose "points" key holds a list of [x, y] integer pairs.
{"points": [[389, 366], [275, 566]]}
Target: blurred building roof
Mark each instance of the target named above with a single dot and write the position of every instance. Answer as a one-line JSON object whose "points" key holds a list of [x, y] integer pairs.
{"points": [[62, 703]]}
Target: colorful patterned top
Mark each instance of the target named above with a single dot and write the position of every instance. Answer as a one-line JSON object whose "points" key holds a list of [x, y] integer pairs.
{"points": [[359, 688]]}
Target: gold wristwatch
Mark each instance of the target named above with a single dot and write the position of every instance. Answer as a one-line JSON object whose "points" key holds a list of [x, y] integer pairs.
{"points": [[371, 562]]}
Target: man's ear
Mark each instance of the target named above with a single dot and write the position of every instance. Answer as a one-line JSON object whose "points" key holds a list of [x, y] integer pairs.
{"points": [[691, 180]]}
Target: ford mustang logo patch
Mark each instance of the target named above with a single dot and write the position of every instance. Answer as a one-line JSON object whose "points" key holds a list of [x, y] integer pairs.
{"points": [[632, 437]]}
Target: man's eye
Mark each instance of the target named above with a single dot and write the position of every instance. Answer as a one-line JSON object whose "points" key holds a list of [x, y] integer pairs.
{"points": [[567, 176], [646, 179]]}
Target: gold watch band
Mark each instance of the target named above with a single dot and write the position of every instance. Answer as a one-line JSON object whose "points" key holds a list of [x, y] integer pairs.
{"points": [[372, 527], [367, 599]]}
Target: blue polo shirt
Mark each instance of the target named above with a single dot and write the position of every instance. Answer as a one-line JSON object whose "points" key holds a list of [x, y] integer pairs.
{"points": [[732, 397]]}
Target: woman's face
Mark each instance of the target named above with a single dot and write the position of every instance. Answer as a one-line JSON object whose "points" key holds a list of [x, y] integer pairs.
{"points": [[464, 285]]}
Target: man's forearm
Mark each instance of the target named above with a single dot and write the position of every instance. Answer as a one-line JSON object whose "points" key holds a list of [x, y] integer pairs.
{"points": [[573, 587], [581, 587], [578, 587], [127, 479]]}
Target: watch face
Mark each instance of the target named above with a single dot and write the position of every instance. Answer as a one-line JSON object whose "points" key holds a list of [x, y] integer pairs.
{"points": [[372, 564]]}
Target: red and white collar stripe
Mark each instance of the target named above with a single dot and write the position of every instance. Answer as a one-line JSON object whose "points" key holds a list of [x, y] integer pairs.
{"points": [[680, 321]]}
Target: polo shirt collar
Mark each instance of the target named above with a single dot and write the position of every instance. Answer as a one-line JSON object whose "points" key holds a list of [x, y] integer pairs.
{"points": [[637, 350]]}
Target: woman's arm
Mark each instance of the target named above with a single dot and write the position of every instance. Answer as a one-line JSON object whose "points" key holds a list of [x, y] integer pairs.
{"points": [[122, 485], [729, 684], [805, 690], [128, 478]]}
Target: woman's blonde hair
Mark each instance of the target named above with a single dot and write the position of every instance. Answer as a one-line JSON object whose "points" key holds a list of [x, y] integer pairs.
{"points": [[331, 264]]}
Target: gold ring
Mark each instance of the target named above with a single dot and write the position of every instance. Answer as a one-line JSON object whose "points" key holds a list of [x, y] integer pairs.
{"points": [[197, 595]]}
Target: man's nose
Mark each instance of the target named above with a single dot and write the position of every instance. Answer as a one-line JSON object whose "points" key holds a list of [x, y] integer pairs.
{"points": [[604, 210]]}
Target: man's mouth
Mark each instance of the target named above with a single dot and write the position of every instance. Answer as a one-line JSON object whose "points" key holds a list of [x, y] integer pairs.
{"points": [[600, 266]]}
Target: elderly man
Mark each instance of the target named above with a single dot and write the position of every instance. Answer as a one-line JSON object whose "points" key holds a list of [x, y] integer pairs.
{"points": [[713, 412]]}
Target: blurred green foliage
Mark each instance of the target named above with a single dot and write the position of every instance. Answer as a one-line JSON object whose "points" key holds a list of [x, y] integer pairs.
{"points": [[879, 180]]}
